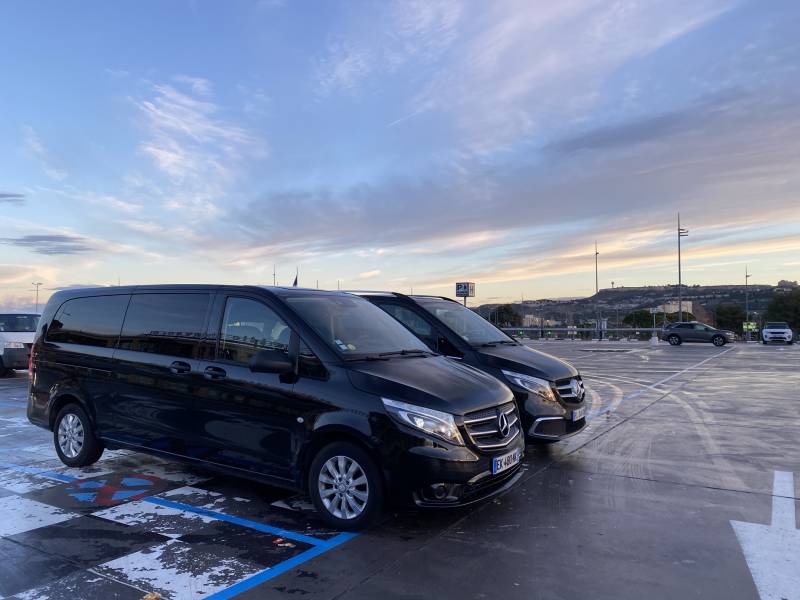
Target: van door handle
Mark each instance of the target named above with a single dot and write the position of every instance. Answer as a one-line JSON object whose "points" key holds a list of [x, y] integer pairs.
{"points": [[180, 367], [214, 373]]}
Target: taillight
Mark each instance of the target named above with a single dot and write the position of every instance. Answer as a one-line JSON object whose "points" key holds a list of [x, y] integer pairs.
{"points": [[30, 363]]}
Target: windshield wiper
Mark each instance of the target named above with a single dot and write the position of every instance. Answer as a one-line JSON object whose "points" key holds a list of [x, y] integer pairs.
{"points": [[412, 352], [367, 357], [495, 342]]}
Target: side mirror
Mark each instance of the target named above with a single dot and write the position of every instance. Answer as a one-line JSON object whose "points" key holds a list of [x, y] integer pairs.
{"points": [[271, 361]]}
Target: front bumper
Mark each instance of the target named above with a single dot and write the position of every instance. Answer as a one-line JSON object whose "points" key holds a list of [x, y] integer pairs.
{"points": [[555, 428], [436, 477], [551, 421], [777, 337], [14, 358]]}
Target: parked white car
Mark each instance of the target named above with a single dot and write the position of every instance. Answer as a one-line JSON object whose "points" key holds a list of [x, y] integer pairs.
{"points": [[16, 338], [777, 332]]}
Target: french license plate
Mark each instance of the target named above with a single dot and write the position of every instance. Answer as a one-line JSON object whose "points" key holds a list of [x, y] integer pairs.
{"points": [[578, 414], [505, 462]]}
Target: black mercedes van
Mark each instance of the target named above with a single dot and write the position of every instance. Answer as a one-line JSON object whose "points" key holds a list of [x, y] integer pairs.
{"points": [[549, 391], [311, 390]]}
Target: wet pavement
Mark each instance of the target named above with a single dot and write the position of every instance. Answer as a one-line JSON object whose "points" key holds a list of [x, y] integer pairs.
{"points": [[684, 484]]}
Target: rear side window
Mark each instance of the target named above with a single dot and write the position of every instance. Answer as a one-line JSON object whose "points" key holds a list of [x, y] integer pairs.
{"points": [[249, 326], [18, 323], [171, 324], [93, 321]]}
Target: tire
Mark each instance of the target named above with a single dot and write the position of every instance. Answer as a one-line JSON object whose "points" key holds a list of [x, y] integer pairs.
{"points": [[674, 340], [335, 509], [73, 430], [718, 341]]}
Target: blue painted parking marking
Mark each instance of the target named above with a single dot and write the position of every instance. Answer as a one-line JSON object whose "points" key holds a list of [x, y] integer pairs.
{"points": [[282, 567], [37, 471], [292, 535], [318, 546]]}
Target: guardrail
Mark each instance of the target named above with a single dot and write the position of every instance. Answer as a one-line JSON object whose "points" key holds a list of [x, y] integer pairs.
{"points": [[583, 333]]}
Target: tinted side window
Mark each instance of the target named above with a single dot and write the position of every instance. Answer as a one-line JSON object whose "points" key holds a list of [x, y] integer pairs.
{"points": [[92, 321], [249, 326], [171, 324], [418, 326]]}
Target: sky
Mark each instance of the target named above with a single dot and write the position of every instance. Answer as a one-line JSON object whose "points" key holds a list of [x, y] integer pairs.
{"points": [[398, 145]]}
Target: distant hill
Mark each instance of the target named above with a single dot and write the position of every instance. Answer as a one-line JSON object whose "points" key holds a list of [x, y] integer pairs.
{"points": [[611, 302]]}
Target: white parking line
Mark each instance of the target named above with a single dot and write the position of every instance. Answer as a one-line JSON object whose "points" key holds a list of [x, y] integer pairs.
{"points": [[652, 386]]}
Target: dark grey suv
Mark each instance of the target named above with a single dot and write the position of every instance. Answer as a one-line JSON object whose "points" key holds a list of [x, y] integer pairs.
{"points": [[677, 333]]}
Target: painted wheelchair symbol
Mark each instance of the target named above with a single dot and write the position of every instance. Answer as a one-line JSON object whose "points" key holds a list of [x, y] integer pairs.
{"points": [[114, 489]]}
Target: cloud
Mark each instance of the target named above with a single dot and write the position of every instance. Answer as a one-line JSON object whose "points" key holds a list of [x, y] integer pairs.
{"points": [[369, 274], [651, 127], [343, 68], [525, 69], [200, 153], [35, 147], [416, 30], [50, 244], [11, 198], [199, 85], [714, 160]]}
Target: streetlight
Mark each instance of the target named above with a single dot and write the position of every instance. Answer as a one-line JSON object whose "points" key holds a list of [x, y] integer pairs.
{"points": [[681, 233], [596, 292], [747, 301], [36, 285]]}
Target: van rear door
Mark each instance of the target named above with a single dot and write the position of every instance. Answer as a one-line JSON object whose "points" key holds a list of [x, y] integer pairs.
{"points": [[155, 364], [77, 354]]}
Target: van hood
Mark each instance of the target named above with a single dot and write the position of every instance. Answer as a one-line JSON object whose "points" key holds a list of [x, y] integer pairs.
{"points": [[526, 360], [433, 382]]}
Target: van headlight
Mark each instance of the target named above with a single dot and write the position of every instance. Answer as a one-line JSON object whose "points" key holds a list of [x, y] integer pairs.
{"points": [[536, 386], [433, 422], [14, 345]]}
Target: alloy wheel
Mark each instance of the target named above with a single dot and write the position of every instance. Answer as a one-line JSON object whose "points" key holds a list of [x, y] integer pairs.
{"points": [[343, 487], [70, 435]]}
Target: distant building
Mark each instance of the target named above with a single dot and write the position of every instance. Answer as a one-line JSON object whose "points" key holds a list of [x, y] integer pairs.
{"points": [[534, 321], [672, 307]]}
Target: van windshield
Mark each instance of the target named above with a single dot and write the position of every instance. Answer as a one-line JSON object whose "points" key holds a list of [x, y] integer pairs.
{"points": [[777, 326], [469, 325], [355, 327], [18, 323]]}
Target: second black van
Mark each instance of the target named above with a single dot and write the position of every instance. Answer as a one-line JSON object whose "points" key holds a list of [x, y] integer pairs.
{"points": [[311, 390], [549, 391]]}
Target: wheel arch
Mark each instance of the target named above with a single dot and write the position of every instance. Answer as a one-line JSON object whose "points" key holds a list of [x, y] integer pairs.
{"points": [[329, 434], [60, 399]]}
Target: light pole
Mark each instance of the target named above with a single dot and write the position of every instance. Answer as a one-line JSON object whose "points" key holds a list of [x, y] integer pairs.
{"points": [[596, 292], [36, 285], [681, 233], [747, 301]]}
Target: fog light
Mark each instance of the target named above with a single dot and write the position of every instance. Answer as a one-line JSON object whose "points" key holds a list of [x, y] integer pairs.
{"points": [[443, 492], [439, 491]]}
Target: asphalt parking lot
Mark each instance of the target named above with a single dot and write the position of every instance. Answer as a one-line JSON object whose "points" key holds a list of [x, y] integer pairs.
{"points": [[684, 484]]}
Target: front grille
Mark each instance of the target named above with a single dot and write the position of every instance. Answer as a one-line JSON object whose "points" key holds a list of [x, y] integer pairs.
{"points": [[567, 394], [484, 430]]}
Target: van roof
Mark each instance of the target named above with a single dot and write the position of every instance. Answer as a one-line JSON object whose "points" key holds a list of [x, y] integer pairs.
{"points": [[398, 295], [130, 289]]}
